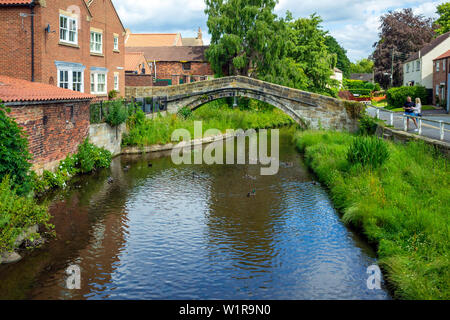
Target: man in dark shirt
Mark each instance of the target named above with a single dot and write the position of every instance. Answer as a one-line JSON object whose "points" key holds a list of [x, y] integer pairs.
{"points": [[409, 111]]}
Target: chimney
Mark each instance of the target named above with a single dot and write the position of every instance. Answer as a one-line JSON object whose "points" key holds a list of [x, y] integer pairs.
{"points": [[199, 35]]}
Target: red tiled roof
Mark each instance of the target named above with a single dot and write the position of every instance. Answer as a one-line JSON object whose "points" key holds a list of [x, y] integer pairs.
{"points": [[15, 2], [173, 53], [17, 90], [133, 59], [443, 56], [153, 40]]}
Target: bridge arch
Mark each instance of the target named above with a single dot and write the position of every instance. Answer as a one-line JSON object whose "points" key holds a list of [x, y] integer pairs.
{"points": [[307, 109]]}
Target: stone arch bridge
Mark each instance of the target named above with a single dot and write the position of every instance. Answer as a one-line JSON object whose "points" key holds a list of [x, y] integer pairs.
{"points": [[308, 109]]}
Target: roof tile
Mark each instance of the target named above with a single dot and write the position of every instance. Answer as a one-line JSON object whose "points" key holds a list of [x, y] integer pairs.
{"points": [[443, 56], [15, 2], [18, 90], [184, 53]]}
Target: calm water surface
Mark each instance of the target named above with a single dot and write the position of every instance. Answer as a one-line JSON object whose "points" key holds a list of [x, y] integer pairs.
{"points": [[162, 232]]}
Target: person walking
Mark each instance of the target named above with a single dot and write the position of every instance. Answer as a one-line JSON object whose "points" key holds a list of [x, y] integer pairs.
{"points": [[409, 108]]}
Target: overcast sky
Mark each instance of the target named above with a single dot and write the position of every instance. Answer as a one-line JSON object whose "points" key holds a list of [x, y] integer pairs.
{"points": [[354, 23]]}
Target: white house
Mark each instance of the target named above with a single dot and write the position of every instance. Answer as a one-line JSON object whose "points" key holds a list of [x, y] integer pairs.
{"points": [[338, 75], [418, 69]]}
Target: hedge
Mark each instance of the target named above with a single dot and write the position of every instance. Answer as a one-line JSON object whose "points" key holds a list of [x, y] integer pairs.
{"points": [[396, 97]]}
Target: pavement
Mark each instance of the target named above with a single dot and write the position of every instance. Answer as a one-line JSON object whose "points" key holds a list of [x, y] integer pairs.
{"points": [[429, 129]]}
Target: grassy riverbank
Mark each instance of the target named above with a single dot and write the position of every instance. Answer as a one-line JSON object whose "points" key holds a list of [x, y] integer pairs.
{"points": [[402, 207], [215, 115]]}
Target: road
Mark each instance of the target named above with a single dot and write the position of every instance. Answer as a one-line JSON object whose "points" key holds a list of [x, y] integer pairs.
{"points": [[429, 129]]}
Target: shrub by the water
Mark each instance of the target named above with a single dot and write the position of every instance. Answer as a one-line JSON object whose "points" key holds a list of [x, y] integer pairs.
{"points": [[117, 113], [89, 158], [368, 151], [14, 155], [367, 125], [17, 214]]}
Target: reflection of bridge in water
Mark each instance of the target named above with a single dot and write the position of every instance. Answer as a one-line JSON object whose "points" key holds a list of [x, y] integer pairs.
{"points": [[307, 109]]}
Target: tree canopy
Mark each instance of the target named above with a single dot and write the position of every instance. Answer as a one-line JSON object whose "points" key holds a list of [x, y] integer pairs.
{"points": [[342, 62], [402, 33], [362, 66], [443, 22], [248, 38]]}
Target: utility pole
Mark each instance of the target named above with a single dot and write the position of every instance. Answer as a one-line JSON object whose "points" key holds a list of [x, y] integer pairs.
{"points": [[392, 67]]}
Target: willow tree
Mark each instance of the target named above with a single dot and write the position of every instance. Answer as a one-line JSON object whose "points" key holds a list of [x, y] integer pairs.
{"points": [[247, 38]]}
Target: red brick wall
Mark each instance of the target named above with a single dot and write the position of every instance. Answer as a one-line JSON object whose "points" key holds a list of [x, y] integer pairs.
{"points": [[138, 80], [440, 77], [165, 70], [61, 134], [15, 42]]}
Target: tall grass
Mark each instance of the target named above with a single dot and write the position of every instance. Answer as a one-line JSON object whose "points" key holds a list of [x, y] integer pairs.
{"points": [[215, 115], [402, 207]]}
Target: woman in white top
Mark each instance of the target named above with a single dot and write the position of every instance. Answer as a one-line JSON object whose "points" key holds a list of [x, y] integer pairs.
{"points": [[418, 108]]}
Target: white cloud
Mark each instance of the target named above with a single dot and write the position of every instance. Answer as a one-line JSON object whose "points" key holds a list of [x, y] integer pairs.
{"points": [[353, 23]]}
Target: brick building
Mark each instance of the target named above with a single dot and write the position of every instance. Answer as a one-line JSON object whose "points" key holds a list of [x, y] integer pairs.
{"points": [[176, 64], [55, 119], [441, 79], [136, 63], [74, 44]]}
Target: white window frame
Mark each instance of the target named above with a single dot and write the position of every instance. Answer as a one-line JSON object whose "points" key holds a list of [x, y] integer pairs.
{"points": [[407, 68], [116, 82], [93, 44], [71, 22], [418, 65], [437, 66], [70, 83], [116, 43], [95, 83]]}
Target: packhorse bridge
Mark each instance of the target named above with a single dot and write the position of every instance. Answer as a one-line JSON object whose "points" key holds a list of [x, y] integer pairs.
{"points": [[308, 109]]}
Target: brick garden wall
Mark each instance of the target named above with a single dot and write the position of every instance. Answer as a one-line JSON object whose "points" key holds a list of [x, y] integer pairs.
{"points": [[54, 130], [165, 70], [138, 80]]}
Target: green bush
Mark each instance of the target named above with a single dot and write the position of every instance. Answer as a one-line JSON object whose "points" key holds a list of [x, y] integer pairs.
{"points": [[14, 154], [91, 157], [368, 151], [88, 159], [359, 84], [367, 125], [396, 97], [185, 112], [117, 113], [17, 214]]}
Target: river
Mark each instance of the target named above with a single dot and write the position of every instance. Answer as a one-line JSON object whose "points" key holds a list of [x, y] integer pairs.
{"points": [[191, 232]]}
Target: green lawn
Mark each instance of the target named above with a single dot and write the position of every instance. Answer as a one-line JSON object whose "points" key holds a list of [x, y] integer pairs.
{"points": [[402, 208]]}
